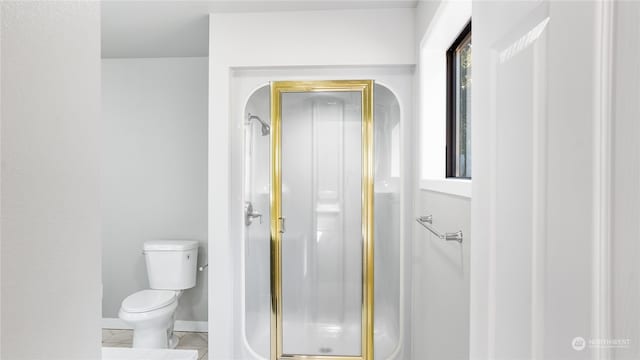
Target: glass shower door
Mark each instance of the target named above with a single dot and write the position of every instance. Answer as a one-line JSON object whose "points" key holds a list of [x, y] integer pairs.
{"points": [[321, 152]]}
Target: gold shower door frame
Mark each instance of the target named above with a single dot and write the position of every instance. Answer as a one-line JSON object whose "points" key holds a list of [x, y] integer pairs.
{"points": [[365, 87]]}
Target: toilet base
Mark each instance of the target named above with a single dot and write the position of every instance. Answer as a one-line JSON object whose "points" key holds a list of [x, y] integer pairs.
{"points": [[150, 338], [155, 338]]}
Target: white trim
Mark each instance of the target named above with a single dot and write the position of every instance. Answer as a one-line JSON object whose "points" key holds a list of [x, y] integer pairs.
{"points": [[458, 187], [491, 229], [601, 245], [180, 325], [539, 194]]}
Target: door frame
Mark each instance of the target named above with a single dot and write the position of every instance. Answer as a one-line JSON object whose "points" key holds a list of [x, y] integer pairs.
{"points": [[365, 87]]}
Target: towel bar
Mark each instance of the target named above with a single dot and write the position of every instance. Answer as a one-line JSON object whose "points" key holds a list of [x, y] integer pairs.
{"points": [[427, 222]]}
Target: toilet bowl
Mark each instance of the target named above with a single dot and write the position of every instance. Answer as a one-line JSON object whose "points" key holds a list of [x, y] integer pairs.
{"points": [[151, 314], [171, 269]]}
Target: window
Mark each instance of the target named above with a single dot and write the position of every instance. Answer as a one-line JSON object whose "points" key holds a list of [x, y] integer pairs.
{"points": [[459, 106]]}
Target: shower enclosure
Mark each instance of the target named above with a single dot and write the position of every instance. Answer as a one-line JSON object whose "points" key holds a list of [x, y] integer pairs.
{"points": [[322, 244]]}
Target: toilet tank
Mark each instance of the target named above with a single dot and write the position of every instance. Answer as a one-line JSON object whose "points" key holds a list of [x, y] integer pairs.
{"points": [[171, 264]]}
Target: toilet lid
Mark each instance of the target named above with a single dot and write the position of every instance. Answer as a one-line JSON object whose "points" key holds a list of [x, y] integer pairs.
{"points": [[147, 300]]}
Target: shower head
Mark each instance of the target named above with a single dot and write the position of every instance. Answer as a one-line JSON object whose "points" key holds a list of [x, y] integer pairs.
{"points": [[265, 127]]}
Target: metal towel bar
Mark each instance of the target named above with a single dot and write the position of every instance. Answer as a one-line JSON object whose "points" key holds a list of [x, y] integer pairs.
{"points": [[427, 222]]}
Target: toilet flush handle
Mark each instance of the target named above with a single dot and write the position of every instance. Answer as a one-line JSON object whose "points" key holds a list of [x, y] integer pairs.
{"points": [[201, 268]]}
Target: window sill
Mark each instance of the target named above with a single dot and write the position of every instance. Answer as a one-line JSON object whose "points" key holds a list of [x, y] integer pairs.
{"points": [[457, 187]]}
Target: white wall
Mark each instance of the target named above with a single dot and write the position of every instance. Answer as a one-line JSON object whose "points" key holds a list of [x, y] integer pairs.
{"points": [[329, 37], [154, 171], [440, 301], [0, 178], [303, 39], [440, 298], [50, 195], [424, 13], [625, 180]]}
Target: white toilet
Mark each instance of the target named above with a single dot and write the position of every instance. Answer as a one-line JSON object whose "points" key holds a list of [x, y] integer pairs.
{"points": [[171, 267]]}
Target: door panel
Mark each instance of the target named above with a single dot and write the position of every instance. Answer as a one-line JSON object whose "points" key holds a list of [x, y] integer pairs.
{"points": [[321, 229]]}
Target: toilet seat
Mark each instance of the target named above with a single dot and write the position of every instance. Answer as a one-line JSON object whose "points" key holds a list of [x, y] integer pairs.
{"points": [[148, 300]]}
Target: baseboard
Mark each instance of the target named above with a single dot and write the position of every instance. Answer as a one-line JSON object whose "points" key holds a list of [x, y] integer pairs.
{"points": [[180, 325], [120, 353], [114, 323]]}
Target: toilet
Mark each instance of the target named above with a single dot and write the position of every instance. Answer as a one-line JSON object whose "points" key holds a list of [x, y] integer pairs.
{"points": [[171, 268]]}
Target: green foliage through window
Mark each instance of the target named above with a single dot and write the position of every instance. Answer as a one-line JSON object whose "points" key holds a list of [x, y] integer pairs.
{"points": [[459, 84]]}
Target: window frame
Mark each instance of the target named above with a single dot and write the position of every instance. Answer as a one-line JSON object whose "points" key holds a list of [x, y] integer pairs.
{"points": [[451, 108]]}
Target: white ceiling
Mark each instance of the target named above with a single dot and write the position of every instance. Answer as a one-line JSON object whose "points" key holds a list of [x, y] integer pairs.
{"points": [[152, 28]]}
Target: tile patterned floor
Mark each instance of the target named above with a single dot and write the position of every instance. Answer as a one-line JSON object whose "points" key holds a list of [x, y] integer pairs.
{"points": [[187, 340]]}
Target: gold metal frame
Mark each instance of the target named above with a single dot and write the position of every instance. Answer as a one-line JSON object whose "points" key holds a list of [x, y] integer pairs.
{"points": [[365, 87]]}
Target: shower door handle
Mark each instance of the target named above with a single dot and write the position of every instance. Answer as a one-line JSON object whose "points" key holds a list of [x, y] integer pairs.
{"points": [[282, 226]]}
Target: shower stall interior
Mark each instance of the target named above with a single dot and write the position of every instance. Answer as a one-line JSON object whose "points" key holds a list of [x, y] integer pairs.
{"points": [[323, 281]]}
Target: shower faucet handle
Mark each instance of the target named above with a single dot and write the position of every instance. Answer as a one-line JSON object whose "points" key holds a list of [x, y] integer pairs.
{"points": [[250, 214], [257, 215]]}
